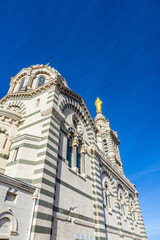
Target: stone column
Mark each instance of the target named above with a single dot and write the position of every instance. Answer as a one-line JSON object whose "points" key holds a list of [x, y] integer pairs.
{"points": [[74, 154], [83, 152]]}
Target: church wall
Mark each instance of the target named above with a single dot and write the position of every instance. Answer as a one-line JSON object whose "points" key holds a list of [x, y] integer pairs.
{"points": [[111, 236], [71, 203], [73, 198], [71, 230], [15, 203], [32, 125], [36, 153]]}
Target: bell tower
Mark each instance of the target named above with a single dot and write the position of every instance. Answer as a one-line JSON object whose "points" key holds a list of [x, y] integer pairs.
{"points": [[107, 139]]}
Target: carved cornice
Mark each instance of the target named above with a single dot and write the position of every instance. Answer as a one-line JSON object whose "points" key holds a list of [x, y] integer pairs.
{"points": [[11, 114], [29, 93], [17, 183], [61, 87]]}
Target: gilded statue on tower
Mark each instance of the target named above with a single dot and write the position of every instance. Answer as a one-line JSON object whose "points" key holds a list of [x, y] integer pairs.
{"points": [[98, 104]]}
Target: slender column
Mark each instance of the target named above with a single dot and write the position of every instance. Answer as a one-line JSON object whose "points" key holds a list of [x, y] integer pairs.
{"points": [[83, 163], [83, 153], [74, 153]]}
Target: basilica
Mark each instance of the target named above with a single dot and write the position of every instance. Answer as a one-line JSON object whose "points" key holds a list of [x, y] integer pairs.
{"points": [[61, 174]]}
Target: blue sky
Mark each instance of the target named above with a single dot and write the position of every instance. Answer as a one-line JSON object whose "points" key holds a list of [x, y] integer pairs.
{"points": [[109, 49]]}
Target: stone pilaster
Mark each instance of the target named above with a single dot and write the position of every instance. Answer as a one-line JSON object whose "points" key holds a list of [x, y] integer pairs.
{"points": [[74, 153], [83, 152]]}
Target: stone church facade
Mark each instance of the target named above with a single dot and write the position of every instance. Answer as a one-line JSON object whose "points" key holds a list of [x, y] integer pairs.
{"points": [[61, 175]]}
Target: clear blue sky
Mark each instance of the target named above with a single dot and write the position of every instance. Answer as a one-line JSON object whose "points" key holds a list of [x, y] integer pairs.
{"points": [[109, 49]]}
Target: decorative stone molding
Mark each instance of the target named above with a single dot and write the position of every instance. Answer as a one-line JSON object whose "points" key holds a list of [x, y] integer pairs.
{"points": [[11, 220], [11, 195], [78, 105], [7, 113], [17, 183], [77, 221], [17, 105], [26, 137], [62, 217], [75, 142], [84, 223]]}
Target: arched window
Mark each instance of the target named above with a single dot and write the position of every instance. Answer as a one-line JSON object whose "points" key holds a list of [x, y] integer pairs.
{"points": [[21, 85], [41, 81], [76, 148]]}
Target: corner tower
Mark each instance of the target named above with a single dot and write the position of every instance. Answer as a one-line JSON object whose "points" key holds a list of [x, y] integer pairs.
{"points": [[107, 139]]}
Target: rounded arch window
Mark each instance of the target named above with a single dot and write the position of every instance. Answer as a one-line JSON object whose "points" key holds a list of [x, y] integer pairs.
{"points": [[21, 84], [41, 81]]}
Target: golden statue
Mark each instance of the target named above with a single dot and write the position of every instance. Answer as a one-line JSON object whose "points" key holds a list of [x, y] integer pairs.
{"points": [[98, 104], [47, 64]]}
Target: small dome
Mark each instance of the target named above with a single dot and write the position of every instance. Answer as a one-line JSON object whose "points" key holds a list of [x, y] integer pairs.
{"points": [[34, 77]]}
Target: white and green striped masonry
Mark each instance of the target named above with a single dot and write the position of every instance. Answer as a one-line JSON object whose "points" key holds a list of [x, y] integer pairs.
{"points": [[37, 122]]}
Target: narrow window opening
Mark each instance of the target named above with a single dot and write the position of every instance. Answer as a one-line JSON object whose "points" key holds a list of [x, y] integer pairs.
{"points": [[15, 154], [41, 81], [69, 152], [78, 160], [21, 85]]}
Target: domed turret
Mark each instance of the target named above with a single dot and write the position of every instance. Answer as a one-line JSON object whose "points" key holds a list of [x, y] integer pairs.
{"points": [[33, 77]]}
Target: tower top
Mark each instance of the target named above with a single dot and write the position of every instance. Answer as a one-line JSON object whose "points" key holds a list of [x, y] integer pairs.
{"points": [[33, 77]]}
